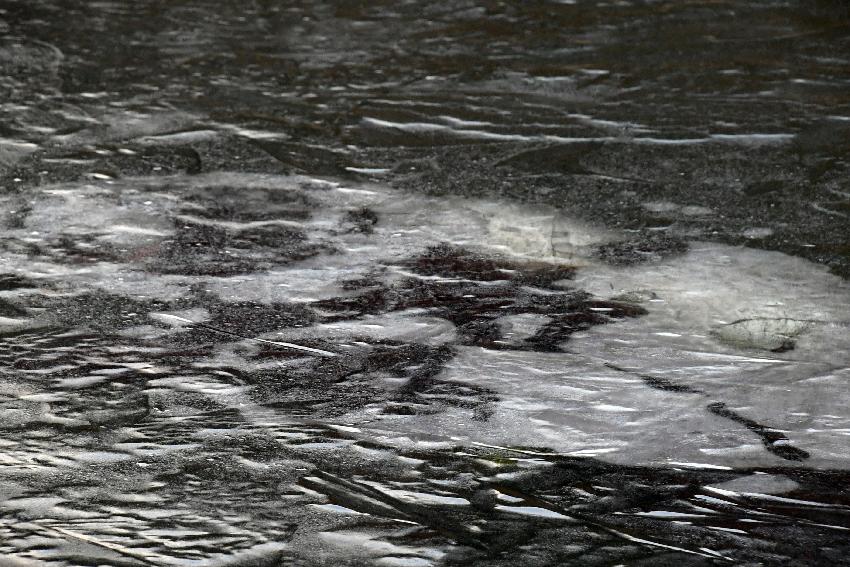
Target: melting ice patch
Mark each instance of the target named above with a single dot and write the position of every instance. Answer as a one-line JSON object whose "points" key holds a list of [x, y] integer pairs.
{"points": [[162, 312], [698, 378], [740, 350]]}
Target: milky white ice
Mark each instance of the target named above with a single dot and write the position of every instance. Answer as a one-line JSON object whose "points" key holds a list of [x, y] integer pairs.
{"points": [[762, 333], [576, 404]]}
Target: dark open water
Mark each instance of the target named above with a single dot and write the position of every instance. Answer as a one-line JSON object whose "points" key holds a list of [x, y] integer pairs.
{"points": [[424, 283]]}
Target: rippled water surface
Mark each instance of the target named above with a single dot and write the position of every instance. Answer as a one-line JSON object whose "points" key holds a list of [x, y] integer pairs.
{"points": [[424, 283]]}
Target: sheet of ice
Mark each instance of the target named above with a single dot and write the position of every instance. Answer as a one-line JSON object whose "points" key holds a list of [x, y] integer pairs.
{"points": [[186, 371], [576, 401], [593, 399]]}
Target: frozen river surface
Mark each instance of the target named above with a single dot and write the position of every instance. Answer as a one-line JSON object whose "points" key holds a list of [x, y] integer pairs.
{"points": [[431, 283]]}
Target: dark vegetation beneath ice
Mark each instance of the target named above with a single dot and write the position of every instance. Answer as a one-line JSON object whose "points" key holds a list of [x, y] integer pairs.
{"points": [[213, 446], [581, 510]]}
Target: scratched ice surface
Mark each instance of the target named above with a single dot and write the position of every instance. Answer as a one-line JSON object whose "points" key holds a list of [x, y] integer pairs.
{"points": [[424, 283]]}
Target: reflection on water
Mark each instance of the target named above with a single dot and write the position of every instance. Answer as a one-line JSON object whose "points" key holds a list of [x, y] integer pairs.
{"points": [[424, 283]]}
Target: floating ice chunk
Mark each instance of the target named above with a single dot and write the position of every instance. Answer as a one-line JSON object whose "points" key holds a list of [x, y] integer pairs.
{"points": [[101, 457], [368, 170], [757, 232], [762, 483], [637, 296], [401, 326], [533, 511], [515, 328], [11, 323], [520, 230], [774, 334], [667, 515], [424, 498], [795, 501], [730, 530], [185, 137], [337, 509], [138, 230], [707, 466], [614, 408], [696, 210]]}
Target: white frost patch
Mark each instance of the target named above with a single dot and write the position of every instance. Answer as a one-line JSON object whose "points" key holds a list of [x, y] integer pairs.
{"points": [[730, 307], [182, 318], [666, 515], [410, 326], [533, 511], [707, 466], [337, 509], [762, 483]]}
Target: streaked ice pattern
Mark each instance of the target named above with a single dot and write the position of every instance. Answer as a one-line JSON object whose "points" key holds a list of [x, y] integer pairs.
{"points": [[204, 366], [154, 414]]}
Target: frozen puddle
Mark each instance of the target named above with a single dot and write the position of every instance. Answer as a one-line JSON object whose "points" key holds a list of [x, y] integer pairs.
{"points": [[449, 350]]}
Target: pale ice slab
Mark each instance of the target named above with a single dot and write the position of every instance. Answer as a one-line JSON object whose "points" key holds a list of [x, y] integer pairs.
{"points": [[594, 399]]}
